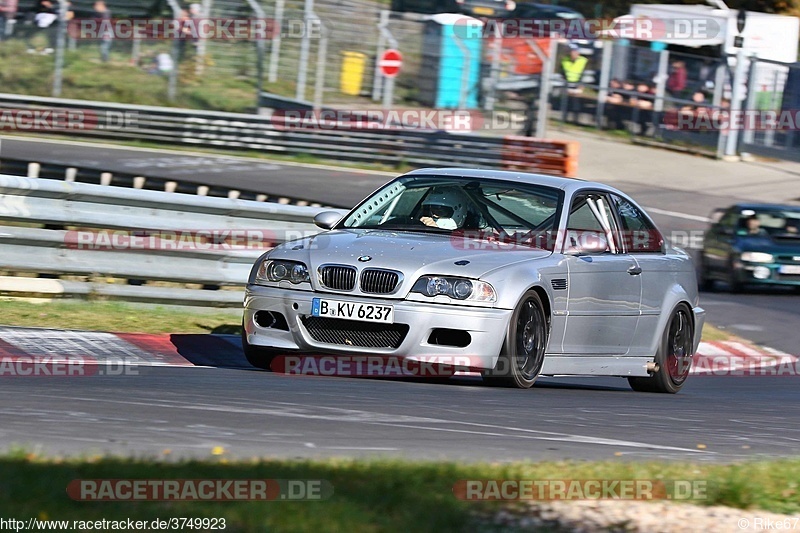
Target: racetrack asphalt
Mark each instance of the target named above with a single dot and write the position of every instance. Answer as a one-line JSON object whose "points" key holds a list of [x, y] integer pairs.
{"points": [[190, 411], [253, 413]]}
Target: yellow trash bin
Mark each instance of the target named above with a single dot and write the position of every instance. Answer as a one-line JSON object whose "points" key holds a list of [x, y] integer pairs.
{"points": [[352, 74]]}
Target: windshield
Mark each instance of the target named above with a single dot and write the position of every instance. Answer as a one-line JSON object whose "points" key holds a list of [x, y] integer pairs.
{"points": [[475, 208], [777, 223]]}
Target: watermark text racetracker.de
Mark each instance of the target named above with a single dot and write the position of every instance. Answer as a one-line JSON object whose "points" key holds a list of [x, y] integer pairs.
{"points": [[29, 366], [199, 489], [451, 120], [183, 240], [580, 489], [205, 28], [66, 119]]}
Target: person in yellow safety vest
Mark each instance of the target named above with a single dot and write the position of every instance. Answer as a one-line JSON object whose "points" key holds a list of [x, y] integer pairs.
{"points": [[574, 65]]}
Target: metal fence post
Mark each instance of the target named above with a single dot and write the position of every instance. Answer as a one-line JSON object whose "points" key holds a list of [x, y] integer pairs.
{"points": [[605, 76], [661, 80], [736, 100], [172, 85], [322, 52], [260, 50], [465, 71], [548, 63], [386, 36], [200, 58], [275, 47], [305, 50], [749, 133], [494, 71], [61, 41], [377, 85]]}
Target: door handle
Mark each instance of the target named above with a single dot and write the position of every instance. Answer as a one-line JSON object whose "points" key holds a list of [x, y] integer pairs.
{"points": [[634, 270]]}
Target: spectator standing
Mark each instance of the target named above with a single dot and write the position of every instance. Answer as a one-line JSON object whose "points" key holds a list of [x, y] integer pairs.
{"points": [[676, 82], [46, 19], [8, 13], [103, 16], [573, 66]]}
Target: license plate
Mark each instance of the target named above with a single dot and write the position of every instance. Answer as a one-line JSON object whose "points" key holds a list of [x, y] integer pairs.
{"points": [[789, 269], [483, 11], [352, 311]]}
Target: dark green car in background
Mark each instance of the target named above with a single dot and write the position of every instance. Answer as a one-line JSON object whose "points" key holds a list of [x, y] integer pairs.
{"points": [[752, 244]]}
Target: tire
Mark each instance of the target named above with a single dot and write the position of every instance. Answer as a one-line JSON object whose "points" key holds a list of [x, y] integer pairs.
{"points": [[734, 285], [674, 355], [704, 282], [522, 356], [257, 356]]}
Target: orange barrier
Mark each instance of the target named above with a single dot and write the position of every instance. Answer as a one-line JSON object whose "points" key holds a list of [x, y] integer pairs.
{"points": [[558, 158]]}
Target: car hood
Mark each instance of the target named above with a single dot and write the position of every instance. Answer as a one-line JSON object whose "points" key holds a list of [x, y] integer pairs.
{"points": [[411, 253]]}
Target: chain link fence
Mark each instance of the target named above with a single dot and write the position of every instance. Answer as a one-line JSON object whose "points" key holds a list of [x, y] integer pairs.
{"points": [[324, 53]]}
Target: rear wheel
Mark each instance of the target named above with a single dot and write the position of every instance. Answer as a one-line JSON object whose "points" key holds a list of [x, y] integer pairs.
{"points": [[522, 355], [674, 356], [257, 356]]}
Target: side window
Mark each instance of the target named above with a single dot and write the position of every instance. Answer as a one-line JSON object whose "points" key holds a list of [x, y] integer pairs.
{"points": [[584, 222], [638, 233]]}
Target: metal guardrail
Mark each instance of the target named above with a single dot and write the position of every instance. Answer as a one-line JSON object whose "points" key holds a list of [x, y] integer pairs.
{"points": [[90, 231], [272, 135], [139, 180]]}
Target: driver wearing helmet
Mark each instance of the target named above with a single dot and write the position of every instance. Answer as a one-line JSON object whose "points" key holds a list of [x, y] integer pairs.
{"points": [[444, 208]]}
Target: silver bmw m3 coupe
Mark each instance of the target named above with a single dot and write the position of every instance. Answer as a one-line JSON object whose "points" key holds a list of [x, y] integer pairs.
{"points": [[519, 274]]}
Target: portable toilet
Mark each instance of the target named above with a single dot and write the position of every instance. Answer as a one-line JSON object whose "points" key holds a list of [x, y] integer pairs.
{"points": [[449, 74]]}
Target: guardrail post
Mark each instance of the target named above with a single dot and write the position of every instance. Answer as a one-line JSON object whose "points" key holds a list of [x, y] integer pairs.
{"points": [[138, 182], [105, 178], [33, 170], [170, 186], [233, 195], [202, 190], [70, 174], [261, 198]]}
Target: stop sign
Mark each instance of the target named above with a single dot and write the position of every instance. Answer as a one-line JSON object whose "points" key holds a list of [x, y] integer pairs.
{"points": [[390, 63]]}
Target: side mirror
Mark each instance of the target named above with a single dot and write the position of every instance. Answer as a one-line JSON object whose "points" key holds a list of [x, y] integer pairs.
{"points": [[588, 243], [327, 219]]}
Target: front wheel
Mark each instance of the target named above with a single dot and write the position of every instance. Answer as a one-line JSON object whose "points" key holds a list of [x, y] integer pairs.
{"points": [[704, 281], [522, 355], [257, 356], [674, 356]]}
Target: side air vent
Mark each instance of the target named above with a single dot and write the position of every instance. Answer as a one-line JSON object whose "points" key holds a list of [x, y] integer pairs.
{"points": [[559, 284]]}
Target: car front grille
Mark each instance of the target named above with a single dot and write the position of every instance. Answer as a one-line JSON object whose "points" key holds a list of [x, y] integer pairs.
{"points": [[377, 281], [338, 278], [793, 259], [355, 333]]}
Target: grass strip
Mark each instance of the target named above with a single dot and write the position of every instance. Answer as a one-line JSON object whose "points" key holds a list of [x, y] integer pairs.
{"points": [[374, 495]]}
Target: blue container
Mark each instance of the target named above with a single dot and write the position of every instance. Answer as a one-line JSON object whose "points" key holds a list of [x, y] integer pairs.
{"points": [[451, 62]]}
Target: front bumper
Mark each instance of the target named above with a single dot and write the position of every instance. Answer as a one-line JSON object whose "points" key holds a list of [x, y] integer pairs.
{"points": [[486, 326], [699, 321], [764, 274]]}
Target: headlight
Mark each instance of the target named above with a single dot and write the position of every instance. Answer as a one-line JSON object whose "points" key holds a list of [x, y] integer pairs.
{"points": [[274, 271], [757, 257], [456, 288]]}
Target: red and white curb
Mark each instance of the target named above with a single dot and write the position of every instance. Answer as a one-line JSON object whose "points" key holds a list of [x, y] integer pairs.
{"points": [[740, 358], [204, 350]]}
